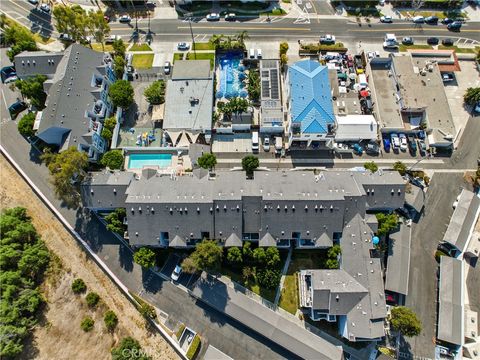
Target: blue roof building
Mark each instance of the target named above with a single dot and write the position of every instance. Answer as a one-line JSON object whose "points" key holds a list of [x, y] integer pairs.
{"points": [[310, 100]]}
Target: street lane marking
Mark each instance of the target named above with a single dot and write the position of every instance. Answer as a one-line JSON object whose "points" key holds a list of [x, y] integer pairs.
{"points": [[384, 30], [245, 28]]}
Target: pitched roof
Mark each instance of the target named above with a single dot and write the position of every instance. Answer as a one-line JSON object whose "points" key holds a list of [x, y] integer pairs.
{"points": [[30, 63], [233, 240], [267, 240], [177, 242], [311, 102], [398, 263]]}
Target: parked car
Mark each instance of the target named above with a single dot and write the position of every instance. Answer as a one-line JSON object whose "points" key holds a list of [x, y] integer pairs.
{"points": [[33, 2], [432, 41], [357, 149], [16, 108], [403, 142], [7, 72], [124, 19], [112, 38], [418, 19], [213, 17], [447, 248], [45, 8], [448, 42], [230, 17], [447, 21], [386, 144], [167, 67], [11, 79], [176, 273], [454, 26], [65, 37], [422, 147], [372, 148], [412, 143], [395, 141], [183, 46], [432, 20], [407, 40], [447, 77], [266, 144], [327, 39], [386, 19]]}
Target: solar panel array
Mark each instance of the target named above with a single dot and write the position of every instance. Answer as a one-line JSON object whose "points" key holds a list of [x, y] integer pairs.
{"points": [[265, 88], [274, 92]]}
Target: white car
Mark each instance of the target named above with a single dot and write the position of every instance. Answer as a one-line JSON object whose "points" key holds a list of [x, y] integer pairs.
{"points": [[11, 79], [395, 141], [176, 273], [327, 39], [183, 46], [213, 17], [124, 19], [418, 19], [266, 144], [167, 67], [386, 19], [45, 8], [112, 38], [403, 142]]}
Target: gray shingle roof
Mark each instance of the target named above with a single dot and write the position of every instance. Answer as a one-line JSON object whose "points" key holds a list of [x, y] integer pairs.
{"points": [[463, 220], [450, 293], [398, 263], [106, 189], [31, 63]]}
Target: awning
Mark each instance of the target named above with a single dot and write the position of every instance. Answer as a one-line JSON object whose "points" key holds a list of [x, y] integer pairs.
{"points": [[174, 135], [233, 240], [177, 242], [54, 135], [267, 240], [184, 141]]}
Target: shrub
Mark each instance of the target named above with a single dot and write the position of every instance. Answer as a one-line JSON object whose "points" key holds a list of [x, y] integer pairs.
{"points": [[283, 48], [405, 321], [25, 125], [92, 299], [112, 159], [111, 320], [78, 286], [121, 93], [155, 93], [370, 165], [268, 278], [194, 347], [180, 331], [87, 324], [144, 257], [234, 256]]}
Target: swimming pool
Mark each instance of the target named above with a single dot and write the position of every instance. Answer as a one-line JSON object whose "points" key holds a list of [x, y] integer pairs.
{"points": [[138, 161], [231, 76]]}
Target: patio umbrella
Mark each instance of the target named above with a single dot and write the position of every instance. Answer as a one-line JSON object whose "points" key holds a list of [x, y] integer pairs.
{"points": [[375, 240]]}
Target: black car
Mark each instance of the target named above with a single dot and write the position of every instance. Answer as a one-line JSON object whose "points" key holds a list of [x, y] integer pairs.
{"points": [[16, 108], [447, 21], [413, 143], [432, 20], [407, 40], [372, 148], [6, 72], [447, 42], [454, 26], [432, 41]]}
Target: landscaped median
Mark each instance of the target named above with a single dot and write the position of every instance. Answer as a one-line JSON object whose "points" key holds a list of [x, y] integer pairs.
{"points": [[194, 347]]}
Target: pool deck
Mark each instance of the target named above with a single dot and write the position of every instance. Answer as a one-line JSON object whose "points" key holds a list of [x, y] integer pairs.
{"points": [[177, 167], [128, 139]]}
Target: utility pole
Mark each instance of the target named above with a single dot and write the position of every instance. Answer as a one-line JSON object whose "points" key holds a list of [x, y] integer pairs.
{"points": [[191, 33]]}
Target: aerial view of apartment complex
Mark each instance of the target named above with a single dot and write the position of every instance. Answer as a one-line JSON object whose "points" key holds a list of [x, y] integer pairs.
{"points": [[240, 179]]}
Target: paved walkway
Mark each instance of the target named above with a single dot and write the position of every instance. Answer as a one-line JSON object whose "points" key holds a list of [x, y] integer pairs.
{"points": [[282, 280]]}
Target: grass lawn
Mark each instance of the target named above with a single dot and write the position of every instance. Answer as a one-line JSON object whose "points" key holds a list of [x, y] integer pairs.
{"points": [[177, 56], [275, 12], [289, 296], [140, 47], [404, 48], [459, 50], [203, 46], [440, 14], [142, 61], [98, 47], [203, 56], [12, 23]]}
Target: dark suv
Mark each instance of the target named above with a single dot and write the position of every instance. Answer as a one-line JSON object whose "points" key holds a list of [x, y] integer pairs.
{"points": [[16, 108]]}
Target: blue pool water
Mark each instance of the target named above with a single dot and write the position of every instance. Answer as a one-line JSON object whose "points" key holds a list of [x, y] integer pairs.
{"points": [[138, 161], [231, 76]]}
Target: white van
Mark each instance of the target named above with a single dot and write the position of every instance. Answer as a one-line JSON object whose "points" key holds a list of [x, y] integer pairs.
{"points": [[255, 141], [362, 81], [251, 53], [259, 53], [278, 145]]}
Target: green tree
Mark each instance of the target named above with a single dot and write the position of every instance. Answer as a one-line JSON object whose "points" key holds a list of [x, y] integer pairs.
{"points": [[107, 134], [64, 167], [241, 37], [247, 251], [155, 93], [259, 256], [111, 320], [108, 127], [72, 20], [129, 349], [268, 278], [370, 165], [121, 93], [113, 159], [472, 96], [25, 125], [207, 255], [34, 260], [78, 286], [207, 161], [249, 164], [247, 273], [234, 256], [32, 89], [405, 321], [19, 39], [332, 257], [115, 221], [283, 48], [98, 26], [119, 47], [283, 59], [386, 223], [92, 299], [400, 167], [272, 257], [119, 65], [144, 257], [188, 266], [253, 84], [87, 324]]}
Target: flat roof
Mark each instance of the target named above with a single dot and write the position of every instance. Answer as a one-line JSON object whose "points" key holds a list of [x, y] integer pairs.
{"points": [[398, 263], [191, 69], [271, 93], [463, 220], [450, 297]]}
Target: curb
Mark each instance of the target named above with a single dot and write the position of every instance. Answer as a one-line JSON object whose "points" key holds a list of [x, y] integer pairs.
{"points": [[95, 257]]}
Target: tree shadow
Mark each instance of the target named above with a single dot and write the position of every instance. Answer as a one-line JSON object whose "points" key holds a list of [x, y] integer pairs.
{"points": [[125, 257], [151, 282]]}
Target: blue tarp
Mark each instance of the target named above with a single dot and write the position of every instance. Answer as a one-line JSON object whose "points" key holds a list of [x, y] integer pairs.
{"points": [[54, 135]]}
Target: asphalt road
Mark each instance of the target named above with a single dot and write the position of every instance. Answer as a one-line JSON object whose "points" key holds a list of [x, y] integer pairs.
{"points": [[426, 235], [280, 29]]}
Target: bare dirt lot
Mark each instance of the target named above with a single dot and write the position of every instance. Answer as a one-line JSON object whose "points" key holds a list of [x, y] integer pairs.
{"points": [[60, 336]]}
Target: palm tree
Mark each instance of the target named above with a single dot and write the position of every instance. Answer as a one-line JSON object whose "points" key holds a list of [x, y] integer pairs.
{"points": [[241, 37], [216, 40]]}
